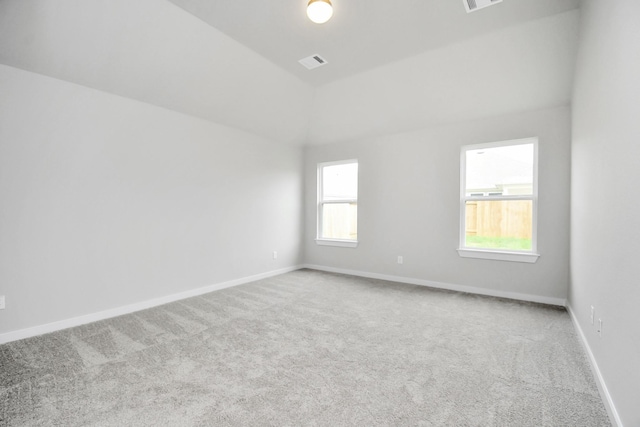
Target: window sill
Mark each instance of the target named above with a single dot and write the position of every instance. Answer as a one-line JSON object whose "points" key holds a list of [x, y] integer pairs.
{"points": [[528, 257], [339, 243]]}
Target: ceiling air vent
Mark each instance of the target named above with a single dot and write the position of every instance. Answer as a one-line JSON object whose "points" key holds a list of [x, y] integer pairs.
{"points": [[473, 5], [313, 61]]}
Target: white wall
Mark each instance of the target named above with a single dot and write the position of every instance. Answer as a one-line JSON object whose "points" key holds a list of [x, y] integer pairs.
{"points": [[520, 68], [108, 201], [409, 189], [605, 218]]}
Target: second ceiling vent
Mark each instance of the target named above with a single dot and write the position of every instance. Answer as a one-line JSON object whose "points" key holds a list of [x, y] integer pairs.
{"points": [[473, 5], [313, 61]]}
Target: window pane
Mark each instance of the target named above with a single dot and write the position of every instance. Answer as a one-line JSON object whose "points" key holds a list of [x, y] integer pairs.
{"points": [[340, 182], [340, 221], [499, 224], [500, 171]]}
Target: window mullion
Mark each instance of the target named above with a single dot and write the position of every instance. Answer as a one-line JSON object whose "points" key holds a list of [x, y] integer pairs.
{"points": [[327, 202], [496, 198]]}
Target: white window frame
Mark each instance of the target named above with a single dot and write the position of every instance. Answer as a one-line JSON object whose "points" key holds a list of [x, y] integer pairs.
{"points": [[491, 253], [345, 243]]}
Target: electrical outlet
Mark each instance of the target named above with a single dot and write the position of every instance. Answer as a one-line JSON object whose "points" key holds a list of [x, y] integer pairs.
{"points": [[400, 260], [593, 314], [1, 302], [600, 327], [275, 254]]}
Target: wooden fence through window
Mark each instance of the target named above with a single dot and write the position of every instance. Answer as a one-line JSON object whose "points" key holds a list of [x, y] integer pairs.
{"points": [[500, 218]]}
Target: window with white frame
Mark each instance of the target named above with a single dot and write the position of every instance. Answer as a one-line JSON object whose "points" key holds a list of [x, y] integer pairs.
{"points": [[499, 200], [338, 203]]}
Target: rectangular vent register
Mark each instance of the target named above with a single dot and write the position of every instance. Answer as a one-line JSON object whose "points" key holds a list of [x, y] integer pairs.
{"points": [[313, 61], [473, 5]]}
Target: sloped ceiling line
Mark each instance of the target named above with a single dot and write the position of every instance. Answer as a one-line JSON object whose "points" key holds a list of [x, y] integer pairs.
{"points": [[392, 66]]}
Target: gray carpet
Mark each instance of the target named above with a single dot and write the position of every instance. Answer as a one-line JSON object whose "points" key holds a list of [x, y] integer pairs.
{"points": [[308, 348]]}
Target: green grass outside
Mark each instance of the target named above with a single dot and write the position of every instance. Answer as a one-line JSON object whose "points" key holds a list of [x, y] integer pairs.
{"points": [[506, 243]]}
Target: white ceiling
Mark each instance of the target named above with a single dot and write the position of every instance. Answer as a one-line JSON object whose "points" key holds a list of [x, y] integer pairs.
{"points": [[394, 65], [154, 52], [362, 34]]}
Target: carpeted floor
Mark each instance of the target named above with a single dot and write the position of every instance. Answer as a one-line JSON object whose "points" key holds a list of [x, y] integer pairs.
{"points": [[308, 348]]}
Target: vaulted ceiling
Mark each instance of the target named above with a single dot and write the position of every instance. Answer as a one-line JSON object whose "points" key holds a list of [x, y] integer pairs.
{"points": [[363, 34], [393, 65]]}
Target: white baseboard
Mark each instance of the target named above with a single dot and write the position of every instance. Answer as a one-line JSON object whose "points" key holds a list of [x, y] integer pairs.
{"points": [[118, 311], [440, 285], [602, 387]]}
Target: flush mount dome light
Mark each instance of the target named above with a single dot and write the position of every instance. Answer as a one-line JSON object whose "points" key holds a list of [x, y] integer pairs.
{"points": [[319, 11]]}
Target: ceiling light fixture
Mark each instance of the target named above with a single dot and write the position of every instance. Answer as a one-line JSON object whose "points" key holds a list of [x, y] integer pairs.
{"points": [[319, 11]]}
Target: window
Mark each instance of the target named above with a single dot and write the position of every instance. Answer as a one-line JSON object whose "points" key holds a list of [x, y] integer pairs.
{"points": [[498, 200], [338, 203]]}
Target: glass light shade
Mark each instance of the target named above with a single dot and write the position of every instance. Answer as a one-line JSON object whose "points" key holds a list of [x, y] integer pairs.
{"points": [[319, 11]]}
